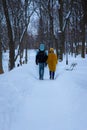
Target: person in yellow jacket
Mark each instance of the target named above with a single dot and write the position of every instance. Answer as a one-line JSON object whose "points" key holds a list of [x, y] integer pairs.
{"points": [[52, 61]]}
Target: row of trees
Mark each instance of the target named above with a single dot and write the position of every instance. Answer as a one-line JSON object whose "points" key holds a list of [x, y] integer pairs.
{"points": [[60, 24]]}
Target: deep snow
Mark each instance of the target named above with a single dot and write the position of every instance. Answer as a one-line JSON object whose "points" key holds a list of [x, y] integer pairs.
{"points": [[27, 103]]}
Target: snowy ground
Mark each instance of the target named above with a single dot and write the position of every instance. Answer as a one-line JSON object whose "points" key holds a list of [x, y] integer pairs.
{"points": [[27, 103]]}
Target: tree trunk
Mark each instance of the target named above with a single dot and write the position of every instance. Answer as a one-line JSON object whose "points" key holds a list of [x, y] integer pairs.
{"points": [[84, 22], [51, 28], [26, 56], [83, 40], [51, 32], [61, 44], [1, 67], [41, 29], [10, 36]]}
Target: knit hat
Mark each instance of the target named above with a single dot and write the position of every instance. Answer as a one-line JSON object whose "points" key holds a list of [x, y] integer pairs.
{"points": [[51, 50], [42, 47]]}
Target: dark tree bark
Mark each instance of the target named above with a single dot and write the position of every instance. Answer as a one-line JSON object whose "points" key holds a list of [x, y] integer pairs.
{"points": [[10, 36], [84, 22], [1, 67], [83, 40], [41, 28], [61, 35], [51, 28]]}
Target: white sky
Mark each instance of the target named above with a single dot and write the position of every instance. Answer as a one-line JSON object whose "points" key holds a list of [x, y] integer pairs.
{"points": [[27, 103]]}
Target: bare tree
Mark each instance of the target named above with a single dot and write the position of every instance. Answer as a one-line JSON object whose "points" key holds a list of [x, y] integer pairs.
{"points": [[10, 35], [1, 17], [1, 67], [27, 12], [17, 14], [84, 22]]}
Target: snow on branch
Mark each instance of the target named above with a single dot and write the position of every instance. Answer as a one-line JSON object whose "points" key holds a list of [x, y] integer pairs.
{"points": [[66, 19], [68, 15], [23, 34]]}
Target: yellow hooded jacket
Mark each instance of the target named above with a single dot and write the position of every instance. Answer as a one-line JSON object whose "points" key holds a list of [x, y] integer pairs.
{"points": [[52, 61]]}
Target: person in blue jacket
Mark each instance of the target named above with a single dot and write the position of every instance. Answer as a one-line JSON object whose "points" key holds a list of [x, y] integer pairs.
{"points": [[41, 58]]}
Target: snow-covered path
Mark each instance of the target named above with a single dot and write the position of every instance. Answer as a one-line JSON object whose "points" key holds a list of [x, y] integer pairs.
{"points": [[30, 104], [52, 107]]}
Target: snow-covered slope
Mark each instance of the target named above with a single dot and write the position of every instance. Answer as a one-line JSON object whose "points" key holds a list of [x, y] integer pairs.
{"points": [[27, 103]]}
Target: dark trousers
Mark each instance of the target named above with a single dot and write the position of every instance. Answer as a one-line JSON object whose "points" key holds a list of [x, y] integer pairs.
{"points": [[52, 73]]}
